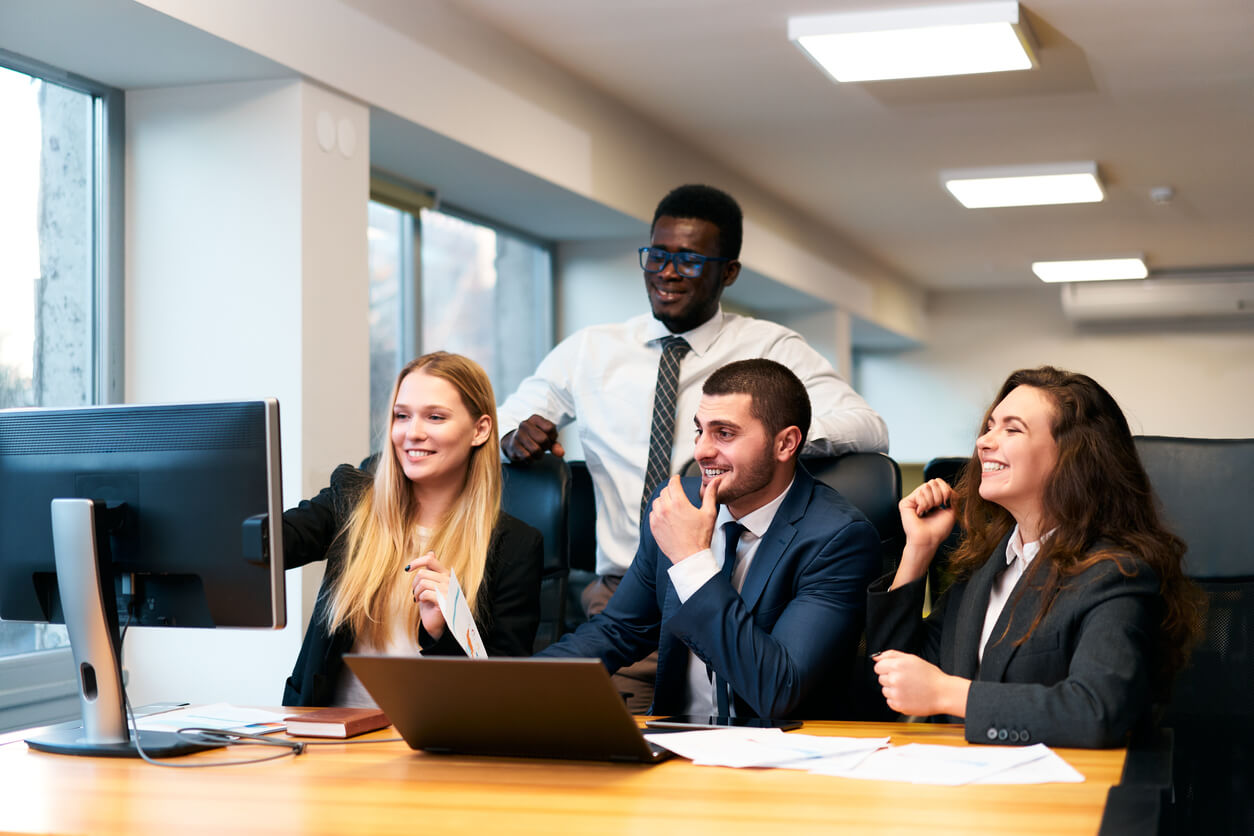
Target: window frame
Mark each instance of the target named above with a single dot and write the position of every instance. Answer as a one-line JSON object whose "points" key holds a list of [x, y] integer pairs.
{"points": [[40, 686], [549, 247], [412, 197]]}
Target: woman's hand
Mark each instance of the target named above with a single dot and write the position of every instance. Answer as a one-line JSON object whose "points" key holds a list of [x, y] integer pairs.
{"points": [[430, 580], [927, 520], [926, 515], [913, 686]]}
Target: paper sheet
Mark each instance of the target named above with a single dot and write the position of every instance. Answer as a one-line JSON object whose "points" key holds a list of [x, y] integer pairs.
{"points": [[1051, 769], [925, 763], [457, 618], [743, 747], [217, 716], [871, 759]]}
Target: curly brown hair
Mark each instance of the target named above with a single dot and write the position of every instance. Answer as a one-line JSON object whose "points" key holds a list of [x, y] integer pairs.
{"points": [[1097, 502]]}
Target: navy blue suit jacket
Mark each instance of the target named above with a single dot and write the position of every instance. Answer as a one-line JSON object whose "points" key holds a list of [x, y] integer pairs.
{"points": [[784, 643]]}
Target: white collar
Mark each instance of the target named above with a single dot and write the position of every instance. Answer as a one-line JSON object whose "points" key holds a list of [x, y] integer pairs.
{"points": [[699, 339], [1026, 552], [757, 521]]}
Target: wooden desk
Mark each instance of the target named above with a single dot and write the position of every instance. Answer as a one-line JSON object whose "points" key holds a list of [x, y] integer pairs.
{"points": [[387, 788]]}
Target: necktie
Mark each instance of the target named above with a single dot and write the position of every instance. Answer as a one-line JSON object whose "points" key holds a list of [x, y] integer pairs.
{"points": [[662, 431], [731, 532]]}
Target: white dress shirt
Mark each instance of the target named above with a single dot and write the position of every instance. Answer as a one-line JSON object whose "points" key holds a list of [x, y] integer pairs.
{"points": [[605, 375], [1019, 556], [695, 571]]}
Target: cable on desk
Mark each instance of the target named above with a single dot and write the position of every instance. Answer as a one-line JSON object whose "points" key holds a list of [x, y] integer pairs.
{"points": [[221, 737]]}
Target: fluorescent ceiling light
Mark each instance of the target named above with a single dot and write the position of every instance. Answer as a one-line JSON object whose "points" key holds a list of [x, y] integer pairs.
{"points": [[956, 39], [1090, 270], [1040, 185]]}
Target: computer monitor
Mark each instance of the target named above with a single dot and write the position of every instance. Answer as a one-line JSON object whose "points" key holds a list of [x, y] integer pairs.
{"points": [[159, 515]]}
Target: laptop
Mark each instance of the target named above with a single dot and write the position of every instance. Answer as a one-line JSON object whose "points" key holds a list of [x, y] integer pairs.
{"points": [[543, 708]]}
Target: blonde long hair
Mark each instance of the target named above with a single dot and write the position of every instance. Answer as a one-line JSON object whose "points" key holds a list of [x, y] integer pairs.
{"points": [[381, 533]]}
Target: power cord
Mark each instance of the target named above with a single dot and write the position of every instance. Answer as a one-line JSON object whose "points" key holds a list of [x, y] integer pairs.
{"points": [[212, 737], [221, 737]]}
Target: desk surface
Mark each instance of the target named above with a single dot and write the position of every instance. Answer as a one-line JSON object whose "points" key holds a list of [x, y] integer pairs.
{"points": [[387, 788]]}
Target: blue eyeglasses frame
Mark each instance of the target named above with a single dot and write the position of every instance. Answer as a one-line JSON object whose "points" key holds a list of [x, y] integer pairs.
{"points": [[689, 265]]}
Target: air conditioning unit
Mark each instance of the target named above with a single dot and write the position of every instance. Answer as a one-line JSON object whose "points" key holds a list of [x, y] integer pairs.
{"points": [[1174, 296]]}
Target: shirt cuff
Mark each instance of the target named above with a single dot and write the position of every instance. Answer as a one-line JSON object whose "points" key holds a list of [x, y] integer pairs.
{"points": [[691, 573]]}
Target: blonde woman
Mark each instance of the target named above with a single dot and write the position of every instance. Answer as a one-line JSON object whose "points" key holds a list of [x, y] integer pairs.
{"points": [[390, 541]]}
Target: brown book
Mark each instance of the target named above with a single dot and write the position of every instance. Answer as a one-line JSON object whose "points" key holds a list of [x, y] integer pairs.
{"points": [[336, 722]]}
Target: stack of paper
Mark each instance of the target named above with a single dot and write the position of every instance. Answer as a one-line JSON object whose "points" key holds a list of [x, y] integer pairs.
{"points": [[870, 759]]}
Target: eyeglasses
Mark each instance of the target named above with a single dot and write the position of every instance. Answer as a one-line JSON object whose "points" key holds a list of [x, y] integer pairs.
{"points": [[690, 265]]}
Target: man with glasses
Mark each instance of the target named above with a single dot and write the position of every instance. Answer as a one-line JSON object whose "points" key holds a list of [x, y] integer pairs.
{"points": [[625, 383]]}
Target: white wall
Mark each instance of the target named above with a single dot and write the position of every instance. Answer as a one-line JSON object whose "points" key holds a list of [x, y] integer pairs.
{"points": [[1185, 380], [246, 277], [828, 330], [598, 282], [437, 67]]}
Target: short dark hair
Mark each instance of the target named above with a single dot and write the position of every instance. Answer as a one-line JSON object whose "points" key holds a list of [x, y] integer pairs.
{"points": [[777, 397], [706, 203]]}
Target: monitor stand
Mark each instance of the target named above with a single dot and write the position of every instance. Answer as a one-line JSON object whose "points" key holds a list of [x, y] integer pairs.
{"points": [[80, 536]]}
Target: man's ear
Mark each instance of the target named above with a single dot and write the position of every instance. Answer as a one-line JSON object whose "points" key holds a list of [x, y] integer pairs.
{"points": [[787, 444], [731, 271]]}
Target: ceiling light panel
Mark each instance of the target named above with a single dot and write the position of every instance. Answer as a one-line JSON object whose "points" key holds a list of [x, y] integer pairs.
{"points": [[1039, 185], [1090, 270], [956, 39]]}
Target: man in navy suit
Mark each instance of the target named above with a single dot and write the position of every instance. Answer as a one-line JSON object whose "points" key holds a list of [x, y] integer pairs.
{"points": [[750, 581]]}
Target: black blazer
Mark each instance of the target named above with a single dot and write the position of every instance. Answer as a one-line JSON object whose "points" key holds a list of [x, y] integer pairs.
{"points": [[1083, 678], [509, 594]]}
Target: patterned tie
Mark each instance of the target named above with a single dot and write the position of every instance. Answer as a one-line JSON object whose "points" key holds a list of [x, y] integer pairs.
{"points": [[731, 532], [662, 432]]}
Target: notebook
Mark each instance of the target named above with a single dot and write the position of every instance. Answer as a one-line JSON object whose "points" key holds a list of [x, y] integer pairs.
{"points": [[545, 708]]}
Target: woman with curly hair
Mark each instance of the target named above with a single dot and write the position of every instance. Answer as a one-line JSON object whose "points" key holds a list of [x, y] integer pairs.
{"points": [[1070, 612]]}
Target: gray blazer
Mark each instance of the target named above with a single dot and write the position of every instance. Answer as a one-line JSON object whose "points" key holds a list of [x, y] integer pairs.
{"points": [[1083, 678]]}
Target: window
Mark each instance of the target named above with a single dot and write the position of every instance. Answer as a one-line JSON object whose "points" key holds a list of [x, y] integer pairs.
{"points": [[440, 281], [487, 294], [56, 253], [391, 265]]}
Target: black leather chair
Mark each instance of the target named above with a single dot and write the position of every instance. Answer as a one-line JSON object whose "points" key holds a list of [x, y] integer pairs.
{"points": [[948, 468], [582, 540], [539, 494], [1205, 487], [872, 482]]}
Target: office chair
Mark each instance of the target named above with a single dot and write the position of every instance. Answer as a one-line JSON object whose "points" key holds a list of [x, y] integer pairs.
{"points": [[581, 540], [950, 469], [1204, 487], [538, 493], [872, 483]]}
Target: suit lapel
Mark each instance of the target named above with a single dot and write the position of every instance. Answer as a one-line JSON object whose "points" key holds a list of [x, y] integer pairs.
{"points": [[971, 612], [998, 653], [778, 538]]}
